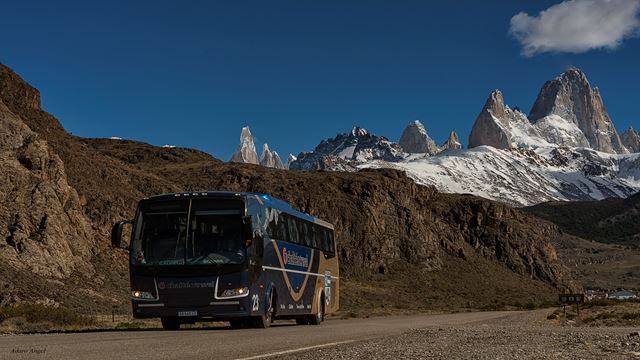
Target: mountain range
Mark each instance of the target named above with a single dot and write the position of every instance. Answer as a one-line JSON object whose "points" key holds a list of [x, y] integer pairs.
{"points": [[60, 195], [567, 148]]}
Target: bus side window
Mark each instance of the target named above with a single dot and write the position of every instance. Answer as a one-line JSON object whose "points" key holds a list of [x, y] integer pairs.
{"points": [[331, 242], [314, 236], [277, 227], [305, 233], [324, 240], [293, 230]]}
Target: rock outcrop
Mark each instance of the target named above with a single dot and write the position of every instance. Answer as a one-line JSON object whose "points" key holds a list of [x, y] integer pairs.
{"points": [[415, 140], [571, 97], [453, 142], [246, 150], [631, 140], [493, 125], [42, 224]]}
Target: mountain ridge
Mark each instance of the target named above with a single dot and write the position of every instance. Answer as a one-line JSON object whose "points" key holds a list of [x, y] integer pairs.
{"points": [[384, 220], [513, 159]]}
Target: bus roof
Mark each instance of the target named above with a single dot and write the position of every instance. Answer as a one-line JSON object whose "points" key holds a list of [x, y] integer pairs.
{"points": [[265, 199]]}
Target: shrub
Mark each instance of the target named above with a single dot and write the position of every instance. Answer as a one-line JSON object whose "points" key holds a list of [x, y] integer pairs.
{"points": [[36, 313]]}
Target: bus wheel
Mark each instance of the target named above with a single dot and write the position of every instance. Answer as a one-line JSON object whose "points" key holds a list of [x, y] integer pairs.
{"points": [[264, 321], [319, 316], [170, 323]]}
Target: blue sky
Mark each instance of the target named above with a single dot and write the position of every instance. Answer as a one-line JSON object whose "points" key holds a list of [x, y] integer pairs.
{"points": [[192, 73]]}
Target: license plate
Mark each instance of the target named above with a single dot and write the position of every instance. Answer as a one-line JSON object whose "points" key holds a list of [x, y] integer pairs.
{"points": [[187, 313]]}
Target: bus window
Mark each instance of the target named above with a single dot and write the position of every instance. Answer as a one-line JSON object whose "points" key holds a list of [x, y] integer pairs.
{"points": [[315, 233], [331, 243], [293, 230], [277, 228], [327, 244], [305, 233]]}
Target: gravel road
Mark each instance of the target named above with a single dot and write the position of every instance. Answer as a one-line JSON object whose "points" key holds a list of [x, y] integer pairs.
{"points": [[520, 336], [479, 335]]}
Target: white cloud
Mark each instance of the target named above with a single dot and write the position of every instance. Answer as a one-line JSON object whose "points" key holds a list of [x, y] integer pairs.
{"points": [[577, 26]]}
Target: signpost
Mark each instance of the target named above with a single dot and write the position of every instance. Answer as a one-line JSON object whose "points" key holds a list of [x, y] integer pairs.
{"points": [[570, 299]]}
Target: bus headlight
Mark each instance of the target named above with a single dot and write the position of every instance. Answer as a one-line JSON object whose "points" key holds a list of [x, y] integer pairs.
{"points": [[142, 295], [235, 292]]}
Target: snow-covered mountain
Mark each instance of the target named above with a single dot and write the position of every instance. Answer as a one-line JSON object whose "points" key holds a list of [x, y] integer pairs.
{"points": [[567, 112], [524, 176], [346, 151], [566, 149]]}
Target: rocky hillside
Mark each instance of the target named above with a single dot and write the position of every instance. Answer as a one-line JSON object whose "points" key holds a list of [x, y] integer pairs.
{"points": [[614, 221], [60, 195]]}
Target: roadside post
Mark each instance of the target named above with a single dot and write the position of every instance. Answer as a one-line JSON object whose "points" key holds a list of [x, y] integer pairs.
{"points": [[570, 299]]}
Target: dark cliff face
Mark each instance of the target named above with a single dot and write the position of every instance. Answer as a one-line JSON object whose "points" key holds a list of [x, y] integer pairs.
{"points": [[571, 97], [382, 217]]}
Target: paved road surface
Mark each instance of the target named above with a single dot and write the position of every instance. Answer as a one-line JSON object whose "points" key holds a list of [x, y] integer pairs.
{"points": [[221, 343]]}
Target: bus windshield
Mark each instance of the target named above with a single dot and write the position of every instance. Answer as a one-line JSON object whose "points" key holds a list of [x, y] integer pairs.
{"points": [[188, 232]]}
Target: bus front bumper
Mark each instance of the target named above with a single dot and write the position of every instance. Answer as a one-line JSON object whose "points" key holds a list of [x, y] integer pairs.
{"points": [[220, 310]]}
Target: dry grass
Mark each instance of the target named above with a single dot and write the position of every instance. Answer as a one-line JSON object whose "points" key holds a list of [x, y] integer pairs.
{"points": [[600, 313]]}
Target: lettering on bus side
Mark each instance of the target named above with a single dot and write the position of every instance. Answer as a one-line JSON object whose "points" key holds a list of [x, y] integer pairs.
{"points": [[291, 257]]}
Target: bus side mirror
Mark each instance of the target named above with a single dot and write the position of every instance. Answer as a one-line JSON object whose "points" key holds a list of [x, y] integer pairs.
{"points": [[116, 233], [247, 230]]}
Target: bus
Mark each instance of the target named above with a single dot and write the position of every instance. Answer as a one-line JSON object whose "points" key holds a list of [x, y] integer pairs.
{"points": [[245, 258]]}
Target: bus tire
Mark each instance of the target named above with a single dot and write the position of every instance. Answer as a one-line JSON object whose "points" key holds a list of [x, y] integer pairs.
{"points": [[317, 318], [265, 320], [170, 323]]}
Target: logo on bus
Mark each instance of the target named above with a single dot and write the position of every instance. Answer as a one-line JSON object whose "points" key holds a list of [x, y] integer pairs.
{"points": [[291, 257]]}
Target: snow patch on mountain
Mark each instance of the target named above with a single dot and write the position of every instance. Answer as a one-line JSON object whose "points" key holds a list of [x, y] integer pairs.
{"points": [[524, 177]]}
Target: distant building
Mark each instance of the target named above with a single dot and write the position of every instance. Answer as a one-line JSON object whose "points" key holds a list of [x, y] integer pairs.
{"points": [[596, 295], [623, 295]]}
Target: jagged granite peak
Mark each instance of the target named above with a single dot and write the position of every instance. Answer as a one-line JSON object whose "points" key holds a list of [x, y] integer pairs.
{"points": [[290, 159], [415, 140], [501, 127], [631, 140], [266, 159], [492, 124], [246, 150], [453, 142], [571, 97], [270, 158], [347, 150], [277, 161]]}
